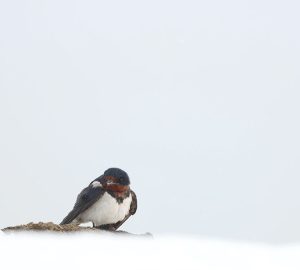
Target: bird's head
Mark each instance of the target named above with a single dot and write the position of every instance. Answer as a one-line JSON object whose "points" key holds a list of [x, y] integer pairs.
{"points": [[115, 179]]}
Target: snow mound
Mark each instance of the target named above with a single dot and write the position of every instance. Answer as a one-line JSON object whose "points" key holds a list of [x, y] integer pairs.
{"points": [[93, 251]]}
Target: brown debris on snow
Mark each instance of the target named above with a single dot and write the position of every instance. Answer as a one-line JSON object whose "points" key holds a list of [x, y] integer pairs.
{"points": [[67, 228], [48, 226]]}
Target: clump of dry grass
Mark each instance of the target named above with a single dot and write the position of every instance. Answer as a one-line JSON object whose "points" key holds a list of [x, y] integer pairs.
{"points": [[67, 228], [48, 226]]}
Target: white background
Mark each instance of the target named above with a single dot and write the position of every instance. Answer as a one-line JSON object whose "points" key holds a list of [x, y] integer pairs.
{"points": [[197, 100]]}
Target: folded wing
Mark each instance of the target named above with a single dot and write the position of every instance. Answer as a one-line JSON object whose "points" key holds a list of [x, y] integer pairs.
{"points": [[86, 198]]}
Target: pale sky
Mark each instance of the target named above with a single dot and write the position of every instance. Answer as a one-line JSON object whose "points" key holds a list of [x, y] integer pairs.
{"points": [[198, 101]]}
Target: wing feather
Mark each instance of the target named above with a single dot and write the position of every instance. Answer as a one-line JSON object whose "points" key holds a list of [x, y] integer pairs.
{"points": [[86, 198]]}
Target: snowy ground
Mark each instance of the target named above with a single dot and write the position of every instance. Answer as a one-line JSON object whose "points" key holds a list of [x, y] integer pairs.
{"points": [[47, 251]]}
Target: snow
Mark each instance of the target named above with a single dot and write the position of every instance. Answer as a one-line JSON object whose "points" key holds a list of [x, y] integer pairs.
{"points": [[49, 251]]}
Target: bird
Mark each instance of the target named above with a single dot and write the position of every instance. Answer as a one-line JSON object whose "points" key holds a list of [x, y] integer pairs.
{"points": [[107, 202]]}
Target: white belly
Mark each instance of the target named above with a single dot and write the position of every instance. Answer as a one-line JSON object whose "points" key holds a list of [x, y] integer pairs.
{"points": [[106, 211]]}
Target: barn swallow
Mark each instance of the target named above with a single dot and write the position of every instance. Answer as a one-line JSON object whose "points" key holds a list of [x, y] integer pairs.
{"points": [[107, 202]]}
